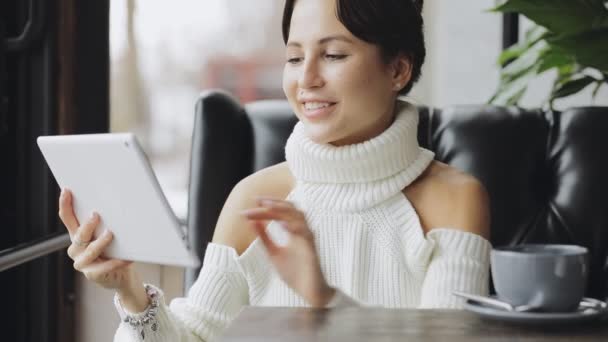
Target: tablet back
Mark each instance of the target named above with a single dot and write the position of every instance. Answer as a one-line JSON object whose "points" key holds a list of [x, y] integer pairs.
{"points": [[109, 173]]}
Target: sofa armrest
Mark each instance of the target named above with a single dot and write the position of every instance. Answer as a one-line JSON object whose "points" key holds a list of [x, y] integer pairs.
{"points": [[221, 155]]}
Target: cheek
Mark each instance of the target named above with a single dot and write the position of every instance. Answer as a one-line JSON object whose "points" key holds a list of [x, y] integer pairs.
{"points": [[359, 88], [289, 84], [359, 77]]}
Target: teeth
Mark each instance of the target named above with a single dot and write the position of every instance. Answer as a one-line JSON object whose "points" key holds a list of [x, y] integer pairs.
{"points": [[315, 105]]}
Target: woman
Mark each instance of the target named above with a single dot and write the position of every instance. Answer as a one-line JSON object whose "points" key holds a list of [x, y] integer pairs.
{"points": [[358, 215]]}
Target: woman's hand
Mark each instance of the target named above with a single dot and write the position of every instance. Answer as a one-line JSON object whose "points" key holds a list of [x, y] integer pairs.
{"points": [[297, 262], [87, 255]]}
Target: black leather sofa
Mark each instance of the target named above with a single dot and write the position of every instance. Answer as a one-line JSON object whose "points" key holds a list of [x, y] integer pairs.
{"points": [[546, 171]]}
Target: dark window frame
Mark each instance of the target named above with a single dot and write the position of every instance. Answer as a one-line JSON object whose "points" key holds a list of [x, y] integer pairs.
{"points": [[54, 79], [510, 29]]}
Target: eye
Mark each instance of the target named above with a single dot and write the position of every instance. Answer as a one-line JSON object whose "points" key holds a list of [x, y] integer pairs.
{"points": [[335, 57], [294, 60]]}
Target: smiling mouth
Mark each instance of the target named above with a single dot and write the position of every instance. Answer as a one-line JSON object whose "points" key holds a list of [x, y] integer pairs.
{"points": [[318, 110]]}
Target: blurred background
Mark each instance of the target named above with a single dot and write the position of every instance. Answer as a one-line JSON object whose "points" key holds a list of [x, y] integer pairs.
{"points": [[139, 65], [163, 54]]}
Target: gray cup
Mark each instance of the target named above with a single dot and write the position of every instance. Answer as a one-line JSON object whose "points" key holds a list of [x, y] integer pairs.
{"points": [[551, 277]]}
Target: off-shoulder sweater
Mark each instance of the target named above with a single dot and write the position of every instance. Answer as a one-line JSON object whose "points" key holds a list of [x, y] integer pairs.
{"points": [[368, 235]]}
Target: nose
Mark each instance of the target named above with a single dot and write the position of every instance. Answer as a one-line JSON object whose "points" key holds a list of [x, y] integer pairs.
{"points": [[310, 76]]}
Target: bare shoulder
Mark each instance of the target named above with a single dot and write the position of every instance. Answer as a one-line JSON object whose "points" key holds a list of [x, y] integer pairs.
{"points": [[445, 197], [231, 228]]}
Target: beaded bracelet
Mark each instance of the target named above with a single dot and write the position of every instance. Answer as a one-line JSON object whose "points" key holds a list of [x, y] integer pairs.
{"points": [[145, 318]]}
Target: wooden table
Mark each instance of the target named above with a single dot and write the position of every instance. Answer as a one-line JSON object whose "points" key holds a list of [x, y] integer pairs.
{"points": [[378, 324]]}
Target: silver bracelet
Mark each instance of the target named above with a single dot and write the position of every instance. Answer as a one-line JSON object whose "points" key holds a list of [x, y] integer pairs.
{"points": [[148, 317]]}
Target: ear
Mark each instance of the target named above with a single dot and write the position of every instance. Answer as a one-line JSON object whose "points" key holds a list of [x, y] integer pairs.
{"points": [[401, 71]]}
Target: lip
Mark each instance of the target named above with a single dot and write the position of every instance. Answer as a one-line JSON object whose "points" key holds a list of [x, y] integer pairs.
{"points": [[320, 113]]}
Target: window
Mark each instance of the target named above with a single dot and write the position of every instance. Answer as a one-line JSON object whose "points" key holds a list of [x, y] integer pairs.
{"points": [[44, 63]]}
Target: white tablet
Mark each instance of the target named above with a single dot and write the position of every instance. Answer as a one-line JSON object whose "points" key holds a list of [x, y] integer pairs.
{"points": [[109, 173]]}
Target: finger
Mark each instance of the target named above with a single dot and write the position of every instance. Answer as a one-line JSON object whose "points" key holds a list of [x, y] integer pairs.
{"points": [[93, 251], [66, 211], [85, 232], [74, 251], [270, 201], [100, 270], [297, 228], [292, 220], [260, 229], [283, 206]]}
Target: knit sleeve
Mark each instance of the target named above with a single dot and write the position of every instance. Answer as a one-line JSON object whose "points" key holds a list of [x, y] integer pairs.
{"points": [[460, 261], [211, 304]]}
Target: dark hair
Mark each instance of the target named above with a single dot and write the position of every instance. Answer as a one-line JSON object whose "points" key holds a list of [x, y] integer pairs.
{"points": [[395, 26]]}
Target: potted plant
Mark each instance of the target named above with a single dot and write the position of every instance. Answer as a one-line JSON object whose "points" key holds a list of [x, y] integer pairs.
{"points": [[569, 36]]}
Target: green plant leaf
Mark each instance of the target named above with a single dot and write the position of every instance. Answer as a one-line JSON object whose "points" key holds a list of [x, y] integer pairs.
{"points": [[565, 72], [531, 37], [514, 82], [560, 16], [510, 54], [589, 49], [515, 77], [514, 99], [555, 59], [597, 89], [528, 60], [572, 86], [509, 93], [570, 36], [534, 34]]}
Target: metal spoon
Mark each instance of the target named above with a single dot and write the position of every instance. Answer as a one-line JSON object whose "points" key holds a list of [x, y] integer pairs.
{"points": [[592, 303], [493, 302], [587, 303]]}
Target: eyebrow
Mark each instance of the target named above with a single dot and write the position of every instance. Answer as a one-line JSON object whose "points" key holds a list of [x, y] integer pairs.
{"points": [[325, 40]]}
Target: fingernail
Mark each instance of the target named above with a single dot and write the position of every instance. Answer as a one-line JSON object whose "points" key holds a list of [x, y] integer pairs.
{"points": [[107, 232], [94, 215]]}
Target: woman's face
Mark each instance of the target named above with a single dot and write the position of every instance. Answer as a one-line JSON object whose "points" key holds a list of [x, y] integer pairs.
{"points": [[338, 85]]}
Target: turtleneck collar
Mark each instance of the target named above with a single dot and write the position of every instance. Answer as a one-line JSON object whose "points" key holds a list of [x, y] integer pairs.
{"points": [[359, 176]]}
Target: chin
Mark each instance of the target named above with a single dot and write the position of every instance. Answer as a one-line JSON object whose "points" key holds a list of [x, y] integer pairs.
{"points": [[324, 131], [320, 136]]}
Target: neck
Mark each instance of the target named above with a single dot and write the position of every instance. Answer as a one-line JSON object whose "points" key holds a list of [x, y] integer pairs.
{"points": [[357, 176], [386, 120]]}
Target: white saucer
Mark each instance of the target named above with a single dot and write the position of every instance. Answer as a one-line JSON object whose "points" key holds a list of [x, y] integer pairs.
{"points": [[582, 314]]}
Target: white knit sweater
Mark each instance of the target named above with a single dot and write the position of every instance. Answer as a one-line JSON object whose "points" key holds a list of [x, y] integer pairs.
{"points": [[369, 239]]}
